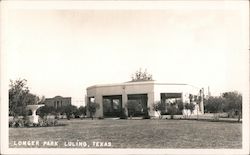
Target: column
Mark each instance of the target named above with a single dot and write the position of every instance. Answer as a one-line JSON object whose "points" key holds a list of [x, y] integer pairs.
{"points": [[151, 102], [99, 112], [124, 102]]}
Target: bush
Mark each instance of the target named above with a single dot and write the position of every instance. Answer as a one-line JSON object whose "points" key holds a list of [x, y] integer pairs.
{"points": [[46, 110], [24, 122], [49, 120], [214, 104], [17, 122], [82, 110], [190, 106], [92, 107], [171, 109]]}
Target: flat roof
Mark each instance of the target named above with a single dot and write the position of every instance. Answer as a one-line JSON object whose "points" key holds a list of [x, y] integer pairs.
{"points": [[58, 97], [134, 83]]}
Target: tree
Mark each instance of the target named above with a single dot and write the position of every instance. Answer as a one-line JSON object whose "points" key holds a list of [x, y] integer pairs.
{"points": [[233, 103], [75, 111], [172, 109], [214, 104], [46, 110], [190, 106], [230, 102], [19, 97], [180, 106], [141, 76], [159, 107], [92, 107], [69, 110], [82, 110]]}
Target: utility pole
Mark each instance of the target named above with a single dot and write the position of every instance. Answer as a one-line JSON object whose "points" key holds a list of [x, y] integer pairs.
{"points": [[202, 100]]}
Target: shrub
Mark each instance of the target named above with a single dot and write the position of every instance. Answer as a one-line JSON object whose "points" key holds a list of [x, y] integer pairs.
{"points": [[92, 107], [171, 110], [190, 106], [50, 120], [46, 110], [180, 107], [82, 110], [17, 122], [24, 122]]}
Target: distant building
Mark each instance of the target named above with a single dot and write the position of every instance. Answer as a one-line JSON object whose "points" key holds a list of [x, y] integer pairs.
{"points": [[113, 97], [58, 101]]}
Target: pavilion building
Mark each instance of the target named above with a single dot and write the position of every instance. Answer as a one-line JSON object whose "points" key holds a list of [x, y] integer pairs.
{"points": [[112, 98]]}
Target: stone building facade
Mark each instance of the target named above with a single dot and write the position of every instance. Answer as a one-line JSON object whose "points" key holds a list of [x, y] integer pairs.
{"points": [[58, 101]]}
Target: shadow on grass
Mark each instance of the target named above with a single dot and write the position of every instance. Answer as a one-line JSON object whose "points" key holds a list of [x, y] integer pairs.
{"points": [[187, 119], [208, 120], [58, 125]]}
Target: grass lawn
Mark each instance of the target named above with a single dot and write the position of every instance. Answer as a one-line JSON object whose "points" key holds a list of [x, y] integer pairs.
{"points": [[136, 133]]}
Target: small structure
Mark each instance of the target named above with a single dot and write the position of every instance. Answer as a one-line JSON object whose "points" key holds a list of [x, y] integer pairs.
{"points": [[113, 98], [34, 118]]}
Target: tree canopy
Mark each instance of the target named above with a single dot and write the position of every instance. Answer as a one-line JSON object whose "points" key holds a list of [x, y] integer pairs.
{"points": [[140, 75], [92, 107], [230, 102], [20, 96]]}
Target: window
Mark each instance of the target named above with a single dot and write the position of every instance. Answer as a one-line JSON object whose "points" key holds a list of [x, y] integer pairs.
{"points": [[112, 105], [107, 105], [116, 104], [92, 99]]}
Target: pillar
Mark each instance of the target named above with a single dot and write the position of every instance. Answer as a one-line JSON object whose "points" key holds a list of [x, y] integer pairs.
{"points": [[125, 102], [151, 101], [99, 112]]}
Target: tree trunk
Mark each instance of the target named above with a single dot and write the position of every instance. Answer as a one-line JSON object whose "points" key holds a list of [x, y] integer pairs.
{"points": [[91, 115], [172, 116]]}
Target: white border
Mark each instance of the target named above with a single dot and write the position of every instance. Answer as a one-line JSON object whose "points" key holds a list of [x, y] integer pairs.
{"points": [[121, 5], [127, 5]]}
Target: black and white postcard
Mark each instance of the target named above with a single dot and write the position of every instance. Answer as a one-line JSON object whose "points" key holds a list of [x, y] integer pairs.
{"points": [[125, 77]]}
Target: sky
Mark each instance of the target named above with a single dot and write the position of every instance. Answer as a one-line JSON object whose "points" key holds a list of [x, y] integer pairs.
{"points": [[62, 52]]}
